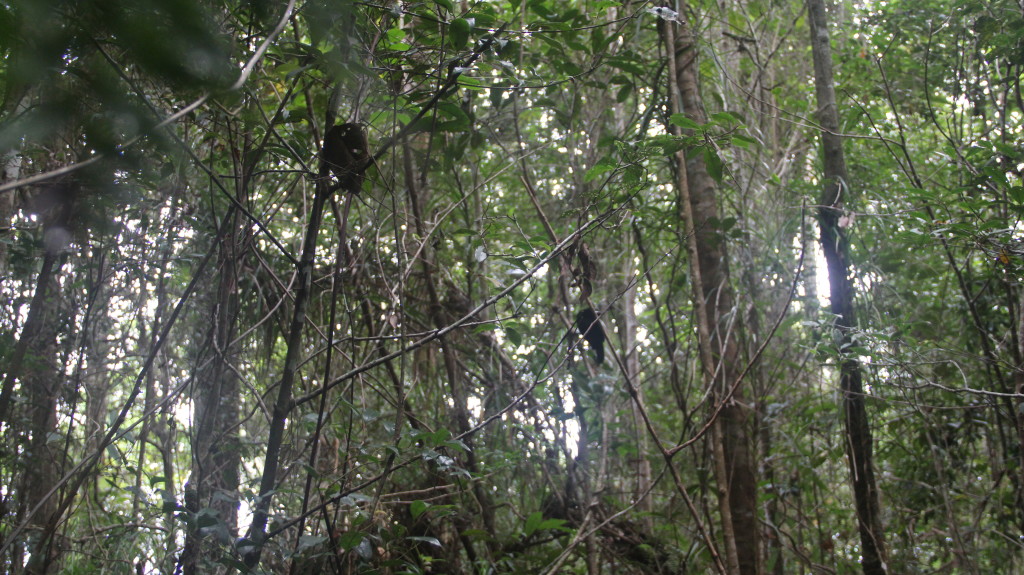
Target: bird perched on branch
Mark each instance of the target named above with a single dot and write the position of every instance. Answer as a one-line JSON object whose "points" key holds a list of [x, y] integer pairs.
{"points": [[590, 328], [347, 154]]}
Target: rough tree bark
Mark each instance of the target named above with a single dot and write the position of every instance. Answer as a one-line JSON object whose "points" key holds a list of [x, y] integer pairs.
{"points": [[835, 246], [733, 441]]}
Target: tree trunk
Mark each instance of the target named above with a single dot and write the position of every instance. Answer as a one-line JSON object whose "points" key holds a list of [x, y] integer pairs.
{"points": [[732, 437], [835, 246], [283, 404], [40, 379], [631, 358], [213, 483]]}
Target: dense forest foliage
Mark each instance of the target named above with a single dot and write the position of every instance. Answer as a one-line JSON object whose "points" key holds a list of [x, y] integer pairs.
{"points": [[529, 286]]}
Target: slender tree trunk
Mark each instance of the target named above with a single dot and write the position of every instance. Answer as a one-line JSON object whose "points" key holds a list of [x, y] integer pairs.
{"points": [[733, 441], [835, 246], [97, 381], [40, 379], [256, 535], [283, 405], [41, 384], [644, 474], [215, 453]]}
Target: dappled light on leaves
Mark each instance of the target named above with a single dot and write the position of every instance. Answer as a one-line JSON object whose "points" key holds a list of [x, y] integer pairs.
{"points": [[511, 287]]}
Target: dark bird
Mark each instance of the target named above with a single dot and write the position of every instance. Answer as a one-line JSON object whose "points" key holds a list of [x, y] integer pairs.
{"points": [[347, 154], [591, 330]]}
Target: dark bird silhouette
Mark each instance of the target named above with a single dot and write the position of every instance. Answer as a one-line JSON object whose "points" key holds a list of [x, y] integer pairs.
{"points": [[591, 330], [347, 153]]}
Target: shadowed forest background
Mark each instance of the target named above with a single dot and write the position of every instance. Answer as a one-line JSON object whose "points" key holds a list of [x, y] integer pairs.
{"points": [[299, 287]]}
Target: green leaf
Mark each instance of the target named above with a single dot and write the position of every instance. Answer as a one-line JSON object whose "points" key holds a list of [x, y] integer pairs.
{"points": [[430, 540], [627, 62], [741, 141], [624, 93], [598, 41], [514, 337], [456, 444], [1016, 194], [714, 164], [478, 534], [395, 35], [417, 508], [556, 524], [683, 122], [350, 539], [458, 33], [602, 166], [578, 46], [533, 522], [450, 118], [307, 541]]}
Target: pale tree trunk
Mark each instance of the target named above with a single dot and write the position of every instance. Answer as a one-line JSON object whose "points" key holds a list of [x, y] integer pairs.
{"points": [[631, 360], [835, 246], [732, 436]]}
